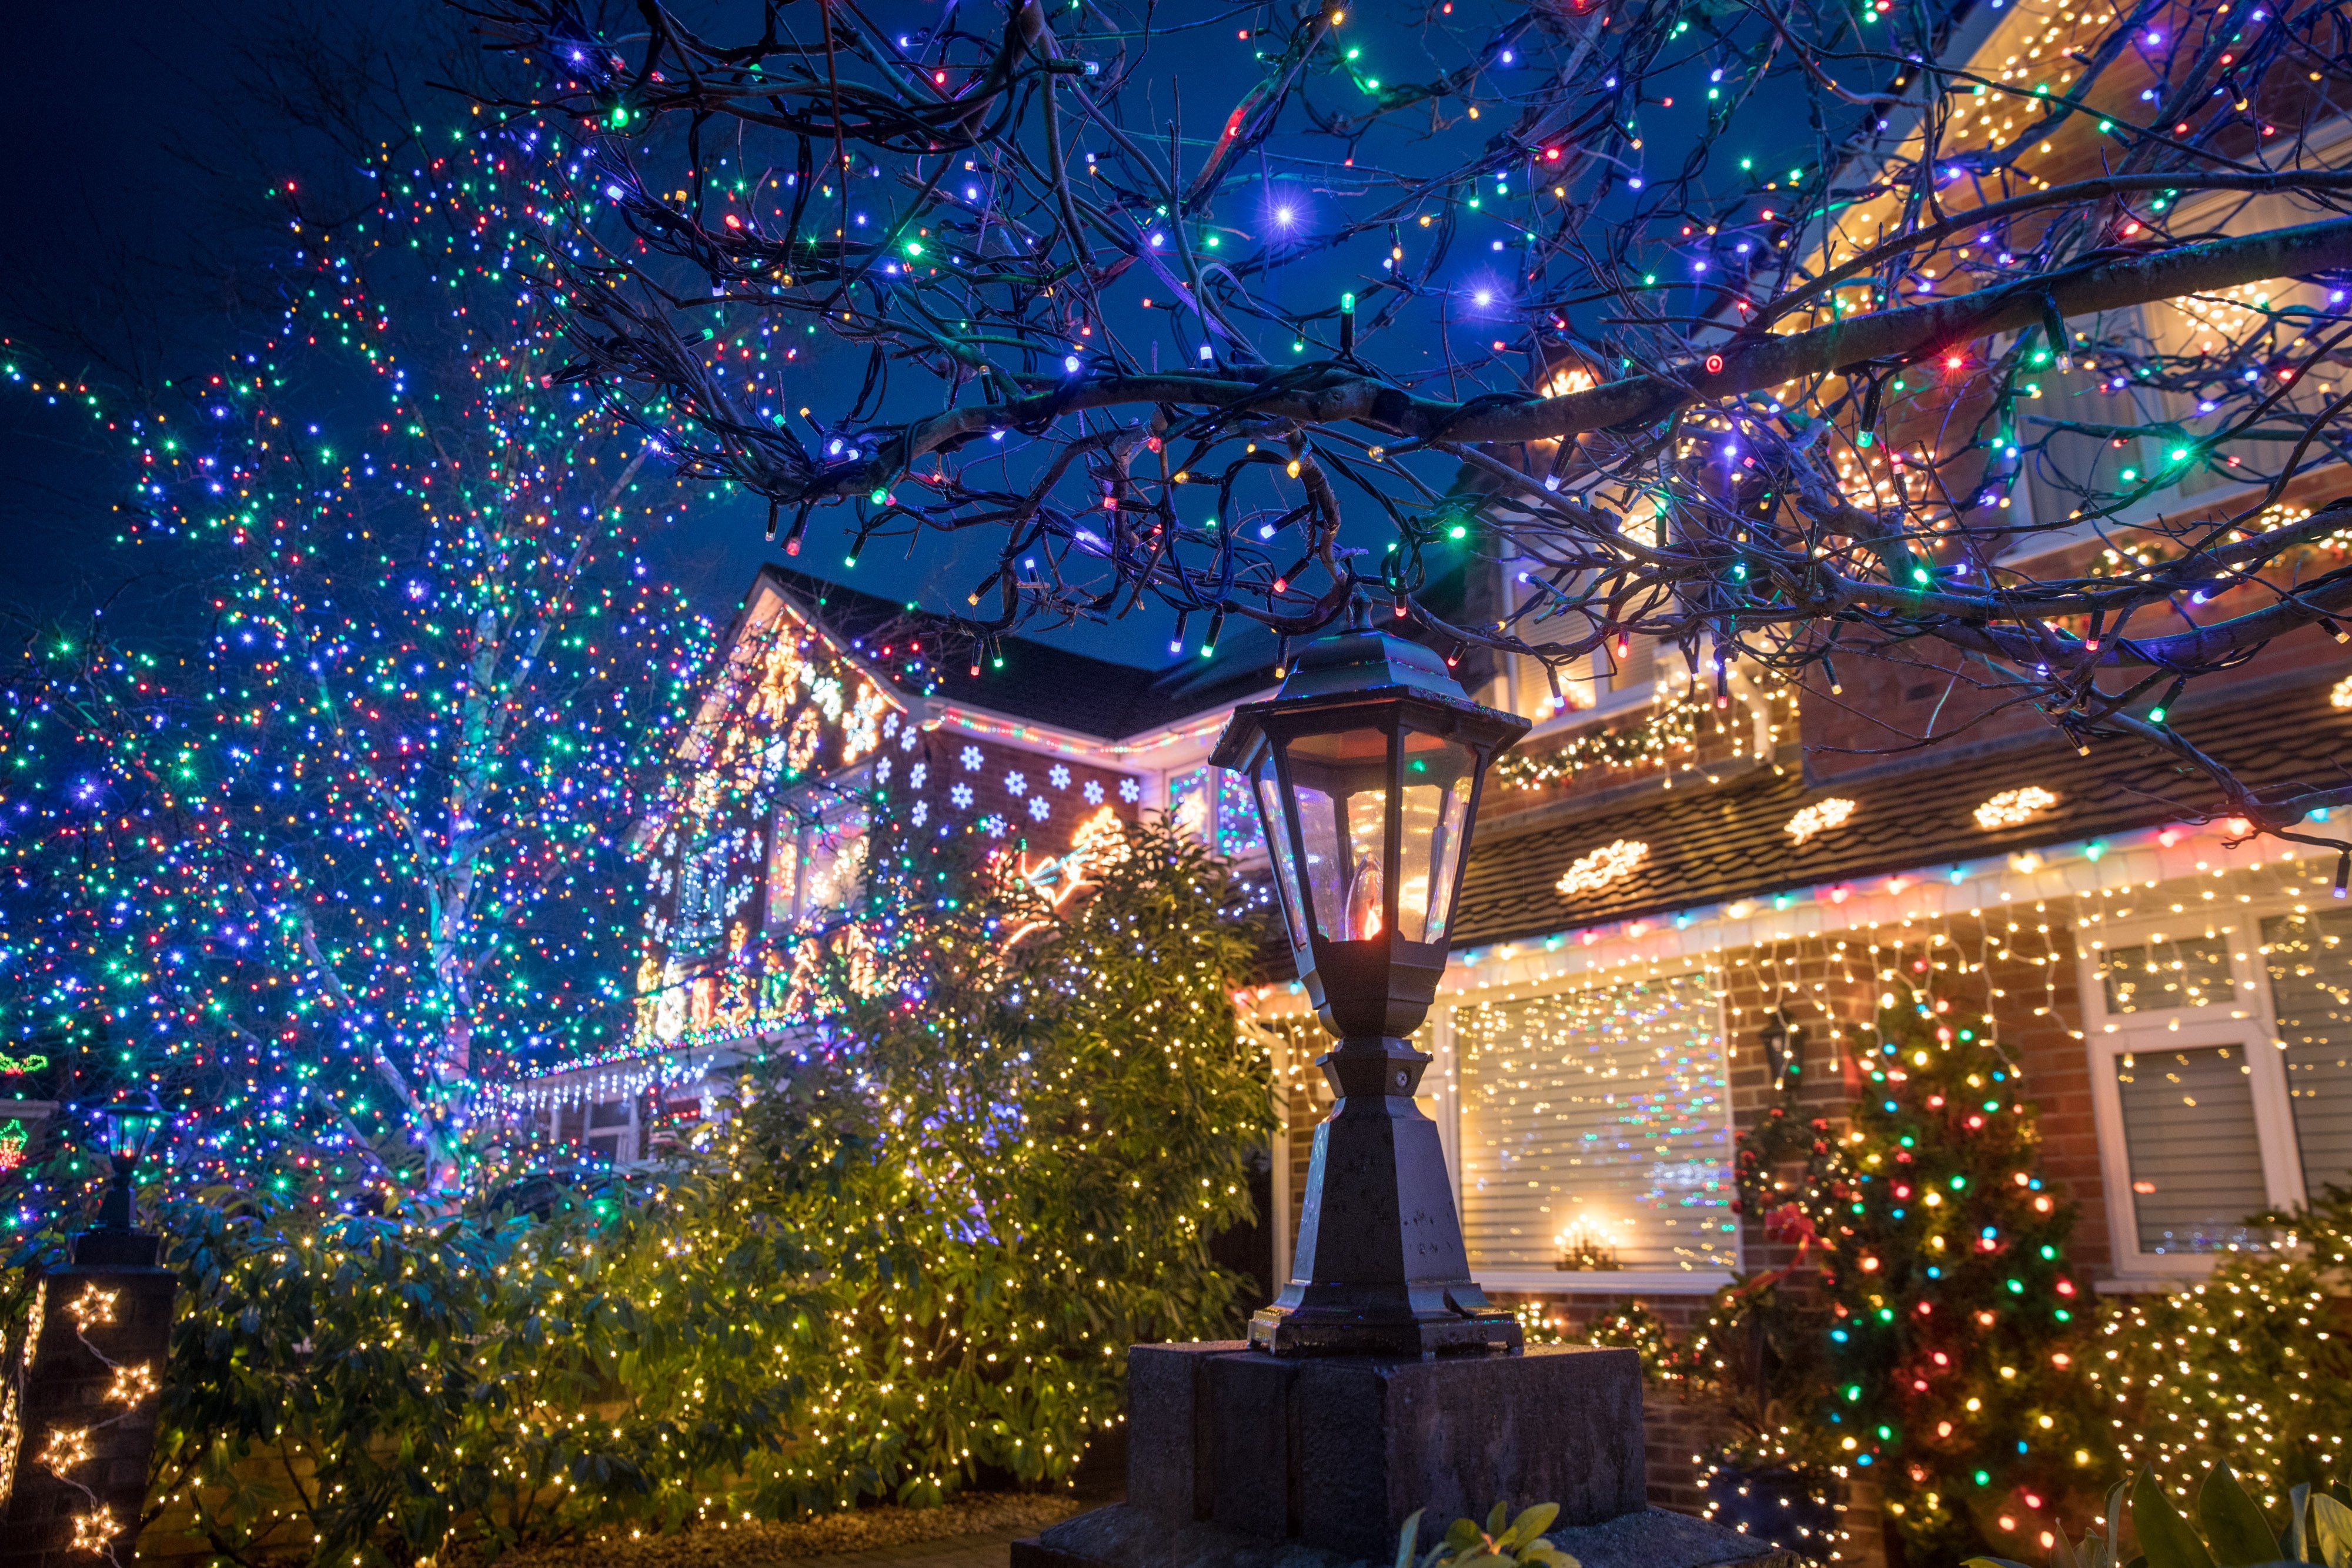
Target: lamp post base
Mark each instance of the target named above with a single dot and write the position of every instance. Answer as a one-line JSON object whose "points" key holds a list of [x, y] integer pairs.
{"points": [[1381, 1269], [1240, 1460]]}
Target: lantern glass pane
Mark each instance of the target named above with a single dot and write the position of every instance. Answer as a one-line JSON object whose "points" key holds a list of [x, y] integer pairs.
{"points": [[1278, 835], [1340, 782], [1438, 775], [130, 1130]]}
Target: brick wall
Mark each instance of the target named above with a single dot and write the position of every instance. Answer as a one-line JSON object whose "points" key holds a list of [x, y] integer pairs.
{"points": [[968, 778]]}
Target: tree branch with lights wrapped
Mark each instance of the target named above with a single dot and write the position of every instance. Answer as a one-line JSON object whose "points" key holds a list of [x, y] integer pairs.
{"points": [[1760, 394]]}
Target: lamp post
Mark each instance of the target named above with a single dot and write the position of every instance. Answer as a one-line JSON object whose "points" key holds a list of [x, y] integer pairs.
{"points": [[133, 1118], [1366, 770]]}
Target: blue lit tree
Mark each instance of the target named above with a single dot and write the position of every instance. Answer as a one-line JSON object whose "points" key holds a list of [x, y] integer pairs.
{"points": [[356, 839]]}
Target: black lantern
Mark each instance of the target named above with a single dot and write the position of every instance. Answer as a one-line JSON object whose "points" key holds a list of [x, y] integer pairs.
{"points": [[1366, 770], [133, 1118], [1784, 1046]]}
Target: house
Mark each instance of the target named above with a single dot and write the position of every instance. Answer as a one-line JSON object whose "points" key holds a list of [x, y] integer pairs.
{"points": [[821, 699]]}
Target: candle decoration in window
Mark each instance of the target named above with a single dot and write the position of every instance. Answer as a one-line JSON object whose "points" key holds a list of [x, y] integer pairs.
{"points": [[1584, 1247]]}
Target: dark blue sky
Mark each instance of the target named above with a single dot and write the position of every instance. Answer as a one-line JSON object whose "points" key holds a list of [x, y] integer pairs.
{"points": [[139, 231]]}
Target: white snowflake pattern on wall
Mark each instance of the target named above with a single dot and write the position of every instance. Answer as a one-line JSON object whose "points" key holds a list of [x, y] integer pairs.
{"points": [[1058, 777], [1040, 808], [961, 796], [882, 772], [1130, 791], [907, 737], [1016, 784], [922, 813], [917, 774], [995, 825], [971, 759], [1092, 792]]}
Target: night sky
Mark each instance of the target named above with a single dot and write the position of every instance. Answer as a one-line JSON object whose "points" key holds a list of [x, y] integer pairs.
{"points": [[139, 242]]}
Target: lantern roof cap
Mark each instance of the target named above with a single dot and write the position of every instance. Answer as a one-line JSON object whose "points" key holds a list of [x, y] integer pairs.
{"points": [[1354, 666]]}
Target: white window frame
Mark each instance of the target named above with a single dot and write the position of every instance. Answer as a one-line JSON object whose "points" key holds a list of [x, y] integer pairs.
{"points": [[1445, 1073], [1212, 827], [809, 809], [2248, 1021]]}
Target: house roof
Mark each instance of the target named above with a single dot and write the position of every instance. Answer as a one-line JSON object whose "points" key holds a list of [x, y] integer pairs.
{"points": [[1718, 843], [1039, 682]]}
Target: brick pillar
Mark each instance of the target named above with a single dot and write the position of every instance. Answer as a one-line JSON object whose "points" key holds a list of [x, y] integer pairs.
{"points": [[79, 1405]]}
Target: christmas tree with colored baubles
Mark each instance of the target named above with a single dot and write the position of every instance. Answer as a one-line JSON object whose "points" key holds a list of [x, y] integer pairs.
{"points": [[1954, 1322]]}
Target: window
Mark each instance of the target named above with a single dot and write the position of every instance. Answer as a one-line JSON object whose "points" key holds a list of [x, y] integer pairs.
{"points": [[1214, 805], [2310, 971], [702, 899], [2195, 1157], [1601, 681], [816, 862], [2221, 1074], [2085, 431], [610, 1131], [1595, 1133]]}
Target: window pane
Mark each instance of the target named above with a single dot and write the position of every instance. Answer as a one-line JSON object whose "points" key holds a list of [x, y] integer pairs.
{"points": [[1285, 876], [701, 896], [1188, 803], [837, 863], [2196, 1160], [1239, 832], [2168, 972], [2310, 966], [783, 873], [1595, 1123], [2081, 437]]}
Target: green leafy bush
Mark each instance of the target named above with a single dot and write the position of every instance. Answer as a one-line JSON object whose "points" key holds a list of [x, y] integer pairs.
{"points": [[913, 1257], [1503, 1541], [2231, 1530]]}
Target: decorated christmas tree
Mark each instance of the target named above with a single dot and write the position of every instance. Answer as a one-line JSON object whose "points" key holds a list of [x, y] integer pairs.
{"points": [[1953, 1324]]}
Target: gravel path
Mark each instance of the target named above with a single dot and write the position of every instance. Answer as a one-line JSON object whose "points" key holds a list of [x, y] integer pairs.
{"points": [[967, 1532]]}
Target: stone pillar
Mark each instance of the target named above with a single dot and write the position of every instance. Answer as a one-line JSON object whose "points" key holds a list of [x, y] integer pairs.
{"points": [[79, 1405], [1237, 1458]]}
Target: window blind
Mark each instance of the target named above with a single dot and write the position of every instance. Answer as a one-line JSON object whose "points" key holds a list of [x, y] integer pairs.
{"points": [[1595, 1125]]}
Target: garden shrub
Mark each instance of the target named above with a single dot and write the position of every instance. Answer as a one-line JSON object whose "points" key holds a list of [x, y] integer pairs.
{"points": [[913, 1258], [500, 1380], [2253, 1366]]}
